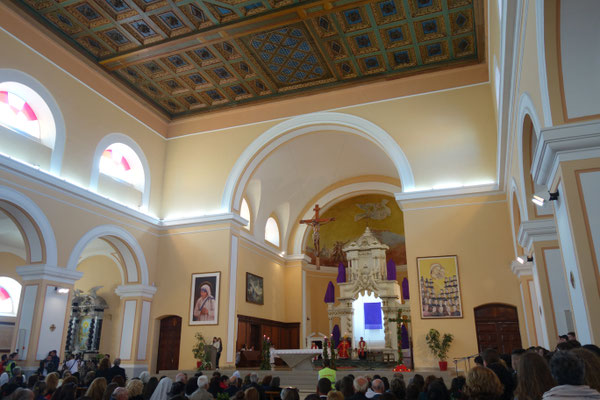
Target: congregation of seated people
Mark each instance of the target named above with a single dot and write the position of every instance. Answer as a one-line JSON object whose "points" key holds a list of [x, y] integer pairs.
{"points": [[572, 371]]}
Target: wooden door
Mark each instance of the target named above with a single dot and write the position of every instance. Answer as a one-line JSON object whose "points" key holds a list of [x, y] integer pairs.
{"points": [[497, 327], [168, 344]]}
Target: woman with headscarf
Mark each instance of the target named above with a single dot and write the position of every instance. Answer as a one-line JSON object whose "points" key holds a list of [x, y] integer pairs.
{"points": [[162, 390], [205, 305]]}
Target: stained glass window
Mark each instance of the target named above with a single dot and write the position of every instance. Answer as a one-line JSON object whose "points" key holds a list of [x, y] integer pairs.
{"points": [[120, 162], [10, 292], [18, 115]]}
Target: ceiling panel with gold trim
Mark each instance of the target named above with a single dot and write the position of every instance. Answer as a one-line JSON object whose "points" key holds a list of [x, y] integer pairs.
{"points": [[194, 56]]}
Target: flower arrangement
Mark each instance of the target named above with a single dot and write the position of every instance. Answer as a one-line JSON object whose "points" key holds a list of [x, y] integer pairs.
{"points": [[265, 362], [401, 368], [200, 353]]}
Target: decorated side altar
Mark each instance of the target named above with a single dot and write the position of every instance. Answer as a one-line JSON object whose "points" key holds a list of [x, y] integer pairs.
{"points": [[369, 303]]}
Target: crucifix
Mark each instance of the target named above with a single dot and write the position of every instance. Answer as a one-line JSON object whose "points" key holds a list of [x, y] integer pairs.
{"points": [[316, 223]]}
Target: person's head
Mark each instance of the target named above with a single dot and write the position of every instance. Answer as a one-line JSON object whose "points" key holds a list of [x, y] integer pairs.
{"points": [[335, 395], [563, 338], [110, 388], [592, 367], [323, 386], [191, 386], [53, 353], [437, 390], [361, 384], [65, 392], [51, 382], [144, 377], [429, 380], [326, 364], [202, 382], [515, 357], [16, 371], [593, 348], [574, 344], [290, 393], [266, 380], [377, 386], [567, 369], [104, 364], [251, 394], [275, 382], [117, 362], [253, 377], [457, 386], [96, 389], [398, 388], [135, 387], [482, 383], [120, 393], [412, 392], [177, 389], [12, 356], [32, 380], [490, 356], [150, 387], [22, 394], [181, 377], [39, 389], [204, 291], [4, 357], [534, 377], [89, 378], [571, 336], [119, 380], [478, 361], [70, 379]]}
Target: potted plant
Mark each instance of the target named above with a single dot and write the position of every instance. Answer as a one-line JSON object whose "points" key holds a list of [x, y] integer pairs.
{"points": [[439, 348], [200, 352]]}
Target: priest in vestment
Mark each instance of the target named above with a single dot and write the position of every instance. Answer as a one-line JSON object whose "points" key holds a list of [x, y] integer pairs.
{"points": [[362, 346], [343, 348]]}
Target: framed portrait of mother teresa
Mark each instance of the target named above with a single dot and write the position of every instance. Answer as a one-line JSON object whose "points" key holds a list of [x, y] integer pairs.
{"points": [[204, 300], [439, 287]]}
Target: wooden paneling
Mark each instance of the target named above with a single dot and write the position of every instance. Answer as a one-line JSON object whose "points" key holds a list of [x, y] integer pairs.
{"points": [[284, 335], [168, 344], [497, 327]]}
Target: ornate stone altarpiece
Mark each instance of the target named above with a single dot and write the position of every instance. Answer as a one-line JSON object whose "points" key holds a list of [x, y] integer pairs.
{"points": [[367, 272]]}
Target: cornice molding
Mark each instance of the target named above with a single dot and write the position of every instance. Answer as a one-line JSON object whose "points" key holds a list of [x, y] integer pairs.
{"points": [[564, 143], [521, 270], [203, 220], [125, 291], [536, 230], [406, 198], [48, 273]]}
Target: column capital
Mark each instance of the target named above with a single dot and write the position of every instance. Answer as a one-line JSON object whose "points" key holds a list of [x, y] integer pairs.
{"points": [[138, 290], [564, 143], [537, 230], [521, 270], [46, 272]]}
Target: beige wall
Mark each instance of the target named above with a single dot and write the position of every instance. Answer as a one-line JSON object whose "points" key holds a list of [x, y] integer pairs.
{"points": [[478, 233]]}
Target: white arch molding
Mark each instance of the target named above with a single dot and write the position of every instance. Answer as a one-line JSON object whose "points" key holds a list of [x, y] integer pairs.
{"points": [[541, 54], [57, 142], [297, 126], [328, 200], [526, 107], [121, 138], [514, 190], [34, 225], [124, 242]]}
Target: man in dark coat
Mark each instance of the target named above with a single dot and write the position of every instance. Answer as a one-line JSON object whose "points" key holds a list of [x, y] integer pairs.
{"points": [[116, 370], [491, 359]]}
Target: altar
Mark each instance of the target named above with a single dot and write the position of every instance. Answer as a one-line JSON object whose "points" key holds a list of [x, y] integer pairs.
{"points": [[370, 303], [297, 359]]}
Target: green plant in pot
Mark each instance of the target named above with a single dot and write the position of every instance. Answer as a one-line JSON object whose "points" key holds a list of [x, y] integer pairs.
{"points": [[439, 348], [200, 354]]}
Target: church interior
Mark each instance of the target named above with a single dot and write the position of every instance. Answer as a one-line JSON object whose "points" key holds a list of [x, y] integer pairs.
{"points": [[298, 170]]}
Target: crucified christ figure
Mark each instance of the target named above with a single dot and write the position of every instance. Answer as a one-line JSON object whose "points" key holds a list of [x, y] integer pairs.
{"points": [[316, 223]]}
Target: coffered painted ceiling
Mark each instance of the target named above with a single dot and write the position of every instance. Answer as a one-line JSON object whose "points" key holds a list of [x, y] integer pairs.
{"points": [[194, 56]]}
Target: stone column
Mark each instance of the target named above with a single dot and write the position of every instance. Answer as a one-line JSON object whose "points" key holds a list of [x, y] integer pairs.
{"points": [[44, 312], [133, 348], [567, 161], [524, 273]]}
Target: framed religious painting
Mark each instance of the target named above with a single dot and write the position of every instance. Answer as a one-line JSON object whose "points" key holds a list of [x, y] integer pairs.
{"points": [[439, 287], [204, 299], [254, 289]]}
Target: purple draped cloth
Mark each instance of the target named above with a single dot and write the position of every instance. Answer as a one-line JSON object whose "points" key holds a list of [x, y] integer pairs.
{"points": [[341, 278], [335, 335], [330, 293], [391, 270], [405, 292], [404, 336]]}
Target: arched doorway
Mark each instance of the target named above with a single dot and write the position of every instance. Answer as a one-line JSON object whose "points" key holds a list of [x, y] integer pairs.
{"points": [[497, 327], [168, 343]]}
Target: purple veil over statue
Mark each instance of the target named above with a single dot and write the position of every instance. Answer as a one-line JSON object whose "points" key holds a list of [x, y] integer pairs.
{"points": [[391, 270], [404, 336], [341, 277], [405, 292], [330, 293], [335, 335]]}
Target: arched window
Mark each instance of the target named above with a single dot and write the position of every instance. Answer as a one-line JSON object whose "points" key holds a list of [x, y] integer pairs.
{"points": [[18, 115], [10, 293], [272, 231], [120, 162], [245, 213]]}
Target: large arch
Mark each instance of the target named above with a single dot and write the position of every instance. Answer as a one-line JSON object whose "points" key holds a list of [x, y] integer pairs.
{"points": [[297, 126], [128, 247], [35, 227], [516, 208], [541, 55], [121, 138], [329, 199], [58, 136]]}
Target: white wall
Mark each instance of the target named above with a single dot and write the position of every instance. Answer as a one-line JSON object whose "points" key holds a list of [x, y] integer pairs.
{"points": [[560, 293], [55, 309], [580, 55]]}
